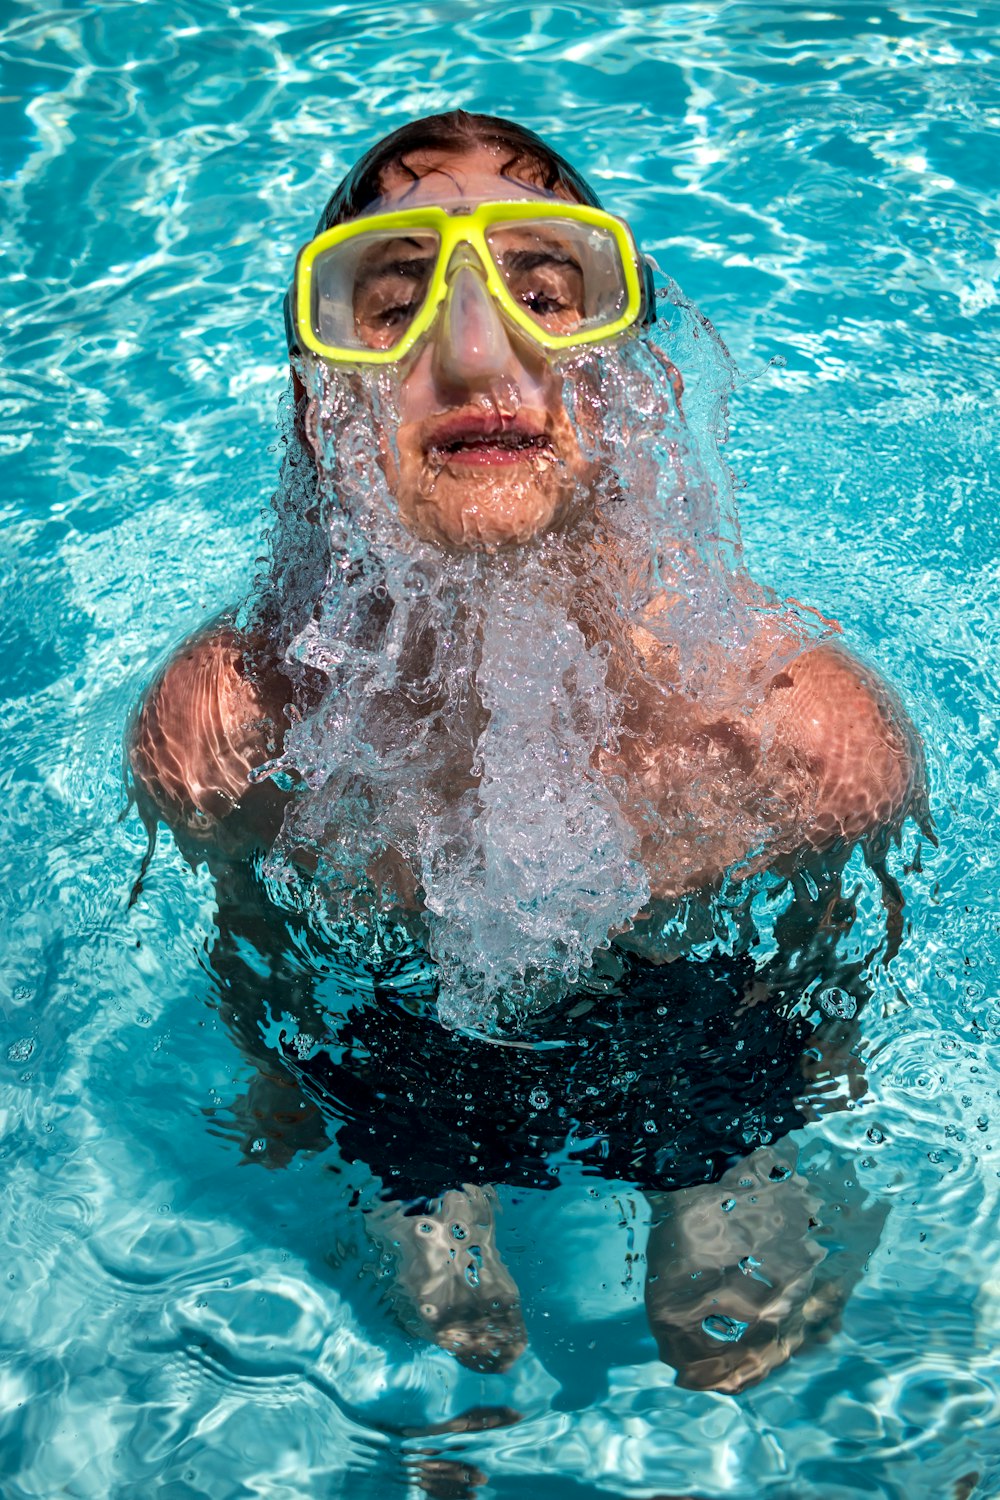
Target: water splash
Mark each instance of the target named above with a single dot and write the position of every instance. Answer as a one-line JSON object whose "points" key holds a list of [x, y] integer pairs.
{"points": [[461, 717]]}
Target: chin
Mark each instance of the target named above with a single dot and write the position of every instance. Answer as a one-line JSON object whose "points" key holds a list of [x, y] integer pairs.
{"points": [[471, 506], [484, 510]]}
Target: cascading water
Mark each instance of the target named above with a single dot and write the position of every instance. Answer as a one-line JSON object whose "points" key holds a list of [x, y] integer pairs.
{"points": [[460, 708]]}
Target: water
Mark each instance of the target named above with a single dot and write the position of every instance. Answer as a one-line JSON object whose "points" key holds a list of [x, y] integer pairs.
{"points": [[455, 707], [819, 182]]}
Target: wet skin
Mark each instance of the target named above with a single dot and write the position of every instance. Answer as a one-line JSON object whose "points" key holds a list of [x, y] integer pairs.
{"points": [[484, 455]]}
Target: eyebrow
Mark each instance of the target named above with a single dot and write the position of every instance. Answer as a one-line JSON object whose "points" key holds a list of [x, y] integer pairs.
{"points": [[413, 267], [403, 265], [527, 260]]}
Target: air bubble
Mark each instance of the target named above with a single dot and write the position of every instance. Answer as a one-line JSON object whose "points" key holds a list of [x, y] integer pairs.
{"points": [[837, 1002], [750, 1266], [726, 1330], [20, 1050]]}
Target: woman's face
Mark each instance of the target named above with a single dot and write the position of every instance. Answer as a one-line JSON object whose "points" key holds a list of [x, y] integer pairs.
{"points": [[484, 453]]}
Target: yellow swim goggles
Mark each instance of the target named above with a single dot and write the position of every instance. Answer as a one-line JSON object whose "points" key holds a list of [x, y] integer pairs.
{"points": [[564, 274]]}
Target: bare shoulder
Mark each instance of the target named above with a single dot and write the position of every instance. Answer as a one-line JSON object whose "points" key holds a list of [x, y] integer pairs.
{"points": [[857, 755], [213, 715]]}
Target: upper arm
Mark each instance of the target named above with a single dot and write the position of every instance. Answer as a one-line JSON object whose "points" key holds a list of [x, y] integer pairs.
{"points": [[208, 720], [857, 757]]}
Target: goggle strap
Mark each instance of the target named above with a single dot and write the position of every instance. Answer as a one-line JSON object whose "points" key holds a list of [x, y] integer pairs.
{"points": [[649, 292], [290, 333]]}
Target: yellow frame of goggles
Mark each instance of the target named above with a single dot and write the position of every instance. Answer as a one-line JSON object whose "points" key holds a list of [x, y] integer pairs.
{"points": [[467, 227]]}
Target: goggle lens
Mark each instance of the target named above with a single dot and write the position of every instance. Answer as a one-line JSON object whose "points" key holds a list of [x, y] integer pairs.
{"points": [[566, 276], [367, 291]]}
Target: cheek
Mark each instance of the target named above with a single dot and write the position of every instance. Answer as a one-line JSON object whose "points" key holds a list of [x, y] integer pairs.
{"points": [[574, 441], [401, 456], [416, 398], [587, 403], [387, 460]]}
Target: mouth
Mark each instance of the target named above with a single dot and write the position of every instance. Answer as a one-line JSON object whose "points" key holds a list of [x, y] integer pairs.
{"points": [[476, 440]]}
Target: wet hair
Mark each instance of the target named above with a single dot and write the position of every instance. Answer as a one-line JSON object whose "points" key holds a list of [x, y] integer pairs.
{"points": [[527, 157]]}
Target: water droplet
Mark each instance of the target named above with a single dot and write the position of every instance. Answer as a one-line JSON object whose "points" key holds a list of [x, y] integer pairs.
{"points": [[472, 1274], [750, 1266], [538, 1099], [259, 1144], [726, 1330], [837, 1002], [728, 1204], [779, 1174], [303, 1044], [458, 1231], [426, 1228], [21, 1050], [875, 1135]]}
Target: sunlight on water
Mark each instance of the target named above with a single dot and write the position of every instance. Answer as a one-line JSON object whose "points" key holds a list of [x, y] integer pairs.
{"points": [[821, 182]]}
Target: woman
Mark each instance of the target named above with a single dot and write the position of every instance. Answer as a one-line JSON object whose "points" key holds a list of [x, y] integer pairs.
{"points": [[460, 326], [484, 455]]}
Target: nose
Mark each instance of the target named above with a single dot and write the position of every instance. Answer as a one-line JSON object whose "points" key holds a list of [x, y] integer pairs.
{"points": [[471, 345]]}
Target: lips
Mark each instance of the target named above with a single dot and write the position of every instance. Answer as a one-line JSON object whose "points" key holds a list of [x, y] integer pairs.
{"points": [[485, 438]]}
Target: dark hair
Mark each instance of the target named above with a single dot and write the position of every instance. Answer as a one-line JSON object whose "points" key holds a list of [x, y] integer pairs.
{"points": [[535, 162]]}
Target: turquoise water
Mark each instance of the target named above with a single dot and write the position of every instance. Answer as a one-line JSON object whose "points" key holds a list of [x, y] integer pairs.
{"points": [[180, 1318]]}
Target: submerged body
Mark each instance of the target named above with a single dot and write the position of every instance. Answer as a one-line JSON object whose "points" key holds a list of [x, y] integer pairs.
{"points": [[489, 443]]}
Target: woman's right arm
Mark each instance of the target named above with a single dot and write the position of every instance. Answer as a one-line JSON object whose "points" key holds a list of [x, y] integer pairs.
{"points": [[213, 715]]}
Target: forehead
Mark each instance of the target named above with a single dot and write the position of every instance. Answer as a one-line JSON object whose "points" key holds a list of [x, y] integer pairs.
{"points": [[468, 176]]}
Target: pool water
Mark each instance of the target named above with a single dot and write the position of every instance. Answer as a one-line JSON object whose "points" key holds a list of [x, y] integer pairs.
{"points": [[186, 1316]]}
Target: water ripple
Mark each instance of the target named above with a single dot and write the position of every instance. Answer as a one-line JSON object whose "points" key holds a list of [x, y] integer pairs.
{"points": [[822, 182]]}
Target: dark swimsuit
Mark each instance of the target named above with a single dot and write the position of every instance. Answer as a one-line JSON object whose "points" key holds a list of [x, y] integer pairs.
{"points": [[662, 1084]]}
